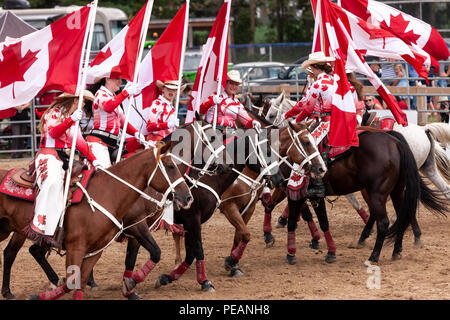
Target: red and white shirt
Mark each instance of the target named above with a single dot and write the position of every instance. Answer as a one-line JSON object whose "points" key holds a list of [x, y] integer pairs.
{"points": [[318, 98], [161, 111], [107, 116], [228, 110], [58, 133]]}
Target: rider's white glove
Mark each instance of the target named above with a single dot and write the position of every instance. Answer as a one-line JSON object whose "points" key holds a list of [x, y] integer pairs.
{"points": [[173, 122], [76, 115], [217, 99], [97, 164], [132, 89], [140, 137], [256, 125]]}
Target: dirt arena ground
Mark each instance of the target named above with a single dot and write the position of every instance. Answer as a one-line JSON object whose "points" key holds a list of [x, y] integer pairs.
{"points": [[422, 273]]}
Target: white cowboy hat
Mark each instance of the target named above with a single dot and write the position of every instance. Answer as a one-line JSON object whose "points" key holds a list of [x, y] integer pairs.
{"points": [[86, 95], [234, 76], [170, 84], [316, 57], [442, 99]]}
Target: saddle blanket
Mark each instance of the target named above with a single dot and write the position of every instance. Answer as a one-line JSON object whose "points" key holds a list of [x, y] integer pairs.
{"points": [[10, 188]]}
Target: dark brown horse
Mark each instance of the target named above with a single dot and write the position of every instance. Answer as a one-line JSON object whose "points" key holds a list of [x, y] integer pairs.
{"points": [[384, 166], [87, 232]]}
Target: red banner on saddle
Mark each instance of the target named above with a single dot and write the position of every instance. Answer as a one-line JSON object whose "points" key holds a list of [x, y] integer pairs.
{"points": [[10, 188]]}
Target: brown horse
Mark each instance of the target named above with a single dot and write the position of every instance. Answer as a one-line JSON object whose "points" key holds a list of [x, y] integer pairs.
{"points": [[243, 197], [141, 212], [87, 231]]}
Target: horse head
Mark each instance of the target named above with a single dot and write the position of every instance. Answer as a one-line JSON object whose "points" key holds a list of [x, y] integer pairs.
{"points": [[167, 179], [298, 144]]}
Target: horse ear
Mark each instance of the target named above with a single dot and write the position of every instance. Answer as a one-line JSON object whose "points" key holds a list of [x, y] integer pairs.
{"points": [[291, 125], [166, 147], [309, 123], [197, 115]]}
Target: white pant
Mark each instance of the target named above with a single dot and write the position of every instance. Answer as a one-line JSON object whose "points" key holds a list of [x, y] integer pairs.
{"points": [[101, 152], [49, 202]]}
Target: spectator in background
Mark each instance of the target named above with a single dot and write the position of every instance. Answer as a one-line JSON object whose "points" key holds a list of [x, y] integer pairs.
{"points": [[431, 100], [387, 71], [401, 73], [412, 73], [20, 129], [372, 103], [443, 105], [444, 72], [185, 99]]}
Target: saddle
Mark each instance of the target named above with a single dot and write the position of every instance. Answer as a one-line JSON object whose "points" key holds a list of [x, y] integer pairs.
{"points": [[25, 180]]}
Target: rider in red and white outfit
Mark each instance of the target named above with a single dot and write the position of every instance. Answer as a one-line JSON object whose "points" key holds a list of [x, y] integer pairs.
{"points": [[57, 128], [229, 108], [162, 118], [318, 100], [109, 119]]}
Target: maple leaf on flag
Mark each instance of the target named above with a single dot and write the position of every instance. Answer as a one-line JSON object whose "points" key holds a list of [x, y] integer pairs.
{"points": [[13, 65], [398, 27]]}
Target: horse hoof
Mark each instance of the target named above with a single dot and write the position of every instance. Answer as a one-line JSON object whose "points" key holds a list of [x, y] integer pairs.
{"points": [[330, 258], [282, 222], [396, 256], [34, 297], [163, 280], [269, 239], [230, 263], [207, 286], [290, 258], [8, 296], [128, 284], [236, 272], [418, 244], [314, 244], [134, 296]]}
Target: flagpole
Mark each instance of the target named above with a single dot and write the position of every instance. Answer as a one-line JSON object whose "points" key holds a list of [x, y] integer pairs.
{"points": [[183, 51], [148, 12], [319, 17], [223, 45], [80, 92]]}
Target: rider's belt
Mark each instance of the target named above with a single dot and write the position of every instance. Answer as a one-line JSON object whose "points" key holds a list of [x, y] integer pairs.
{"points": [[325, 116], [108, 138]]}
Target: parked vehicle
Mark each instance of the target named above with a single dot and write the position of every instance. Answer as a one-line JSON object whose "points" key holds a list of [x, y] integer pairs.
{"points": [[294, 73], [259, 73]]}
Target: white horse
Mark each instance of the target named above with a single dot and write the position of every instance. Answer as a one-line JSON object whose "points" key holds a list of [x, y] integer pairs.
{"points": [[424, 141]]}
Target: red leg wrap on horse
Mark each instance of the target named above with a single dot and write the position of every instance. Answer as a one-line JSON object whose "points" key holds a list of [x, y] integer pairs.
{"points": [[179, 271], [267, 222], [78, 295], [237, 252], [291, 247], [313, 230], [363, 214], [128, 273], [201, 271], [143, 272], [285, 213], [52, 295], [330, 242]]}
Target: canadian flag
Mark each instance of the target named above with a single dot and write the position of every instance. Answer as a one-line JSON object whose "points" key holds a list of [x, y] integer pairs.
{"points": [[118, 58], [215, 54], [411, 30], [162, 62], [47, 59], [351, 38]]}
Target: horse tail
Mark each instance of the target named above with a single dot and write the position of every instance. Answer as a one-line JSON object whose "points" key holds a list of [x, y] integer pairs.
{"points": [[442, 162], [440, 131], [409, 174]]}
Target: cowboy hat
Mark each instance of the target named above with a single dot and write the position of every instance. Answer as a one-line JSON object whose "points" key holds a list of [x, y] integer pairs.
{"points": [[316, 58], [86, 95], [442, 99], [170, 84], [234, 76]]}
